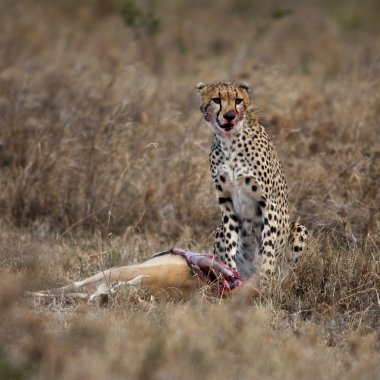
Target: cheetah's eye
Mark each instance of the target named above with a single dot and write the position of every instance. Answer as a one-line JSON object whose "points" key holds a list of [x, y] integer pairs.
{"points": [[217, 100], [238, 101]]}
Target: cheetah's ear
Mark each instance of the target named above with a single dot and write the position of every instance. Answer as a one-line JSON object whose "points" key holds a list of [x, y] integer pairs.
{"points": [[244, 86], [201, 86]]}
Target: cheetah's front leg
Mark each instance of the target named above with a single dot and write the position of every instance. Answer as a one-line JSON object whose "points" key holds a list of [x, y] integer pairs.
{"points": [[268, 237], [227, 233], [266, 217]]}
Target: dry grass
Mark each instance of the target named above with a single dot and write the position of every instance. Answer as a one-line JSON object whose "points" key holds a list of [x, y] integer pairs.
{"points": [[104, 160]]}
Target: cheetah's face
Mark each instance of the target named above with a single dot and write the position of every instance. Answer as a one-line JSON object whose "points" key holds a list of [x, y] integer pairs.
{"points": [[224, 105]]}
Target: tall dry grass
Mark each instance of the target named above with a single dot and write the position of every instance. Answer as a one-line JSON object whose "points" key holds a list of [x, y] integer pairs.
{"points": [[104, 160]]}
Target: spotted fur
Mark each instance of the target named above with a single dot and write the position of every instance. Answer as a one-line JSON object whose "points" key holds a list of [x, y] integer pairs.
{"points": [[249, 182]]}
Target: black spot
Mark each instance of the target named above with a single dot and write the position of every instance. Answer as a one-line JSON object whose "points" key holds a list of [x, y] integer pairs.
{"points": [[231, 227], [222, 179], [226, 219], [270, 216], [259, 212], [219, 188], [266, 221], [247, 180], [229, 235], [273, 229], [234, 218], [296, 248], [261, 203], [254, 188], [224, 200]]}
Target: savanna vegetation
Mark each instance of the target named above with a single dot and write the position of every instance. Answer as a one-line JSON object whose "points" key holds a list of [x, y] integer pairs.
{"points": [[104, 161]]}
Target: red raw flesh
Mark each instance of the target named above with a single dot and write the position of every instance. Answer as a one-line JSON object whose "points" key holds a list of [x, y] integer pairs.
{"points": [[212, 271]]}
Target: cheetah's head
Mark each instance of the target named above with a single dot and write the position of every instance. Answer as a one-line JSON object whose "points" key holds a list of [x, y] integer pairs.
{"points": [[224, 105]]}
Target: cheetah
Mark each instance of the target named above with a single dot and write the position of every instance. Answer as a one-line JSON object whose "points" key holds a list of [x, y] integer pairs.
{"points": [[250, 184]]}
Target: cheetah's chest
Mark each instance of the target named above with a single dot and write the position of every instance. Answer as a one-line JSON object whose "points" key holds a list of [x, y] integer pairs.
{"points": [[243, 204]]}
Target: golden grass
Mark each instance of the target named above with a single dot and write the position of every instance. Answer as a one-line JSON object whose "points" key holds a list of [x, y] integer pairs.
{"points": [[104, 160]]}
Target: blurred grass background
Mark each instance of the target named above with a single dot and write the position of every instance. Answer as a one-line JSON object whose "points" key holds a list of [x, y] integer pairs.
{"points": [[104, 160]]}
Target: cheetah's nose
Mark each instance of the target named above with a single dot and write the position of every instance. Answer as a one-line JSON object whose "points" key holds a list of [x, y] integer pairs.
{"points": [[229, 116]]}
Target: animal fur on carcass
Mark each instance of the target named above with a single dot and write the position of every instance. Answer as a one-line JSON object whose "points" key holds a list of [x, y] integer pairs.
{"points": [[171, 273]]}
